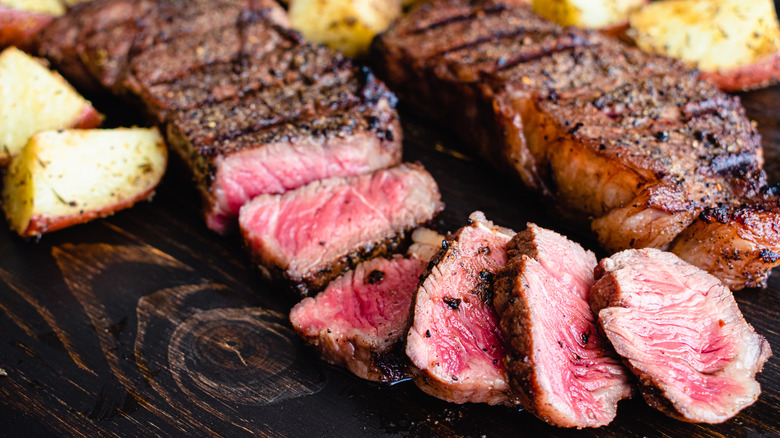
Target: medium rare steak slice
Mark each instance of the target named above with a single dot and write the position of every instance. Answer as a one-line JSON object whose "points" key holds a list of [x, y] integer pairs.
{"points": [[635, 143], [280, 142], [455, 341], [681, 332], [560, 367], [310, 235], [359, 319]]}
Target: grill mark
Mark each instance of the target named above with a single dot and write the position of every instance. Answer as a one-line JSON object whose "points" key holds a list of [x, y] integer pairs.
{"points": [[570, 46], [494, 10], [537, 56], [479, 41]]}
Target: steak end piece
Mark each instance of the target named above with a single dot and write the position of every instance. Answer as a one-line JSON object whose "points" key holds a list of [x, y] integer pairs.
{"points": [[308, 236], [559, 365], [680, 331], [359, 320], [738, 244], [455, 342]]}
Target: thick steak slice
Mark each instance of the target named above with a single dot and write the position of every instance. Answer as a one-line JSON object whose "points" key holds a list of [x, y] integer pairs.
{"points": [[285, 137], [359, 319], [455, 341], [310, 235], [635, 143], [681, 332], [559, 365]]}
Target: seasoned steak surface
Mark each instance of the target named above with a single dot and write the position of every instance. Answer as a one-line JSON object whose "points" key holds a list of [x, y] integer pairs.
{"points": [[636, 142]]}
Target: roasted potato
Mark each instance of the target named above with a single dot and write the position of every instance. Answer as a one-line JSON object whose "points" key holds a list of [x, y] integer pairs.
{"points": [[591, 14], [734, 42], [346, 25], [32, 99], [20, 20], [63, 178]]}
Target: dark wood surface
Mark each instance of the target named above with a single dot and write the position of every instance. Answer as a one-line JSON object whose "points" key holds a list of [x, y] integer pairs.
{"points": [[148, 324]]}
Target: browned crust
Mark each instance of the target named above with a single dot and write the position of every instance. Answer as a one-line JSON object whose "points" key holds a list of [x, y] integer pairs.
{"points": [[384, 367], [760, 74], [310, 284]]}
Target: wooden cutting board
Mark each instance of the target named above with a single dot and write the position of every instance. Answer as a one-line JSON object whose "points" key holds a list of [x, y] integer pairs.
{"points": [[149, 324]]}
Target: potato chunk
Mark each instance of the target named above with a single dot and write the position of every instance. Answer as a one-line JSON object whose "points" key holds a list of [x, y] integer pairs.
{"points": [[20, 20], [32, 99], [591, 14], [346, 25], [62, 178], [737, 42]]}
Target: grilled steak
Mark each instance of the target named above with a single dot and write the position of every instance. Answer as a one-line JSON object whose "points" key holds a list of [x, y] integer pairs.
{"points": [[681, 332], [455, 341], [359, 319], [282, 138], [559, 365], [633, 140], [249, 107], [310, 235]]}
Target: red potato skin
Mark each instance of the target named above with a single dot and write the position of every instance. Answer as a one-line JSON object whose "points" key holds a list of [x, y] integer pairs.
{"points": [[41, 224], [89, 118], [749, 77], [19, 28]]}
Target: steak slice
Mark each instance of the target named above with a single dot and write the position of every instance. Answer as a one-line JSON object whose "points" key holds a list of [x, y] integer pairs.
{"points": [[680, 331], [283, 138], [310, 235], [359, 319], [559, 365], [455, 341], [635, 143]]}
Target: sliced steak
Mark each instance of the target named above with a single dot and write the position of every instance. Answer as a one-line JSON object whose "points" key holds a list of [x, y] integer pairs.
{"points": [[280, 139], [559, 365], [455, 341], [359, 319], [680, 331], [310, 235], [634, 142]]}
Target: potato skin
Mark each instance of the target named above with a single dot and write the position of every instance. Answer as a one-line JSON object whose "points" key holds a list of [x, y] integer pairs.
{"points": [[19, 28], [749, 77]]}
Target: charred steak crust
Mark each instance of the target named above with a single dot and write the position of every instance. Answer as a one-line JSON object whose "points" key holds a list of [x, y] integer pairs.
{"points": [[636, 143]]}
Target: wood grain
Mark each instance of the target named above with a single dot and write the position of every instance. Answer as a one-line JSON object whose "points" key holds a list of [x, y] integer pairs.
{"points": [[147, 324]]}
